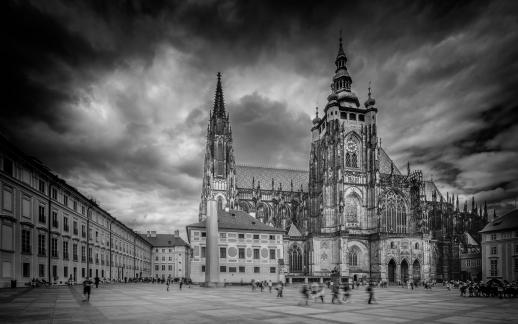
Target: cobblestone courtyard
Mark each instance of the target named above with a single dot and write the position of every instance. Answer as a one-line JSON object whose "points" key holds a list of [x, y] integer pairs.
{"points": [[148, 303]]}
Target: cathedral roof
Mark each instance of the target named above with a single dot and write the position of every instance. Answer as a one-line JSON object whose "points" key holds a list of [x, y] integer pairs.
{"points": [[245, 175], [507, 222], [386, 162], [238, 220]]}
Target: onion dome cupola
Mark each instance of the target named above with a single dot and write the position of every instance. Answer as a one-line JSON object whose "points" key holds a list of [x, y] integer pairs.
{"points": [[342, 80], [370, 101], [316, 120], [342, 95]]}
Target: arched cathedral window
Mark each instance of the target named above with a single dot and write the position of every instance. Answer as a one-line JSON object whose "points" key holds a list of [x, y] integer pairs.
{"points": [[348, 159], [354, 255], [393, 214], [354, 160], [295, 255], [351, 208]]}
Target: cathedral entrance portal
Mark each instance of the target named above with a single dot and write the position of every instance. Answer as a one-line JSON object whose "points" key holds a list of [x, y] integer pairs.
{"points": [[404, 271], [392, 271], [416, 269]]}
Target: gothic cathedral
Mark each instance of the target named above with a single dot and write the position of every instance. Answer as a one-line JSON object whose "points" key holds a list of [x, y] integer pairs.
{"points": [[353, 213]]}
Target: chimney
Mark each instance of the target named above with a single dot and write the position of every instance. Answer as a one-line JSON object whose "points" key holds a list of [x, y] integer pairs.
{"points": [[148, 234], [176, 233], [153, 233]]}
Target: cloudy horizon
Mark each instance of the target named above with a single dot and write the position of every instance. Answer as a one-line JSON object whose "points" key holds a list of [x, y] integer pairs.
{"points": [[115, 96]]}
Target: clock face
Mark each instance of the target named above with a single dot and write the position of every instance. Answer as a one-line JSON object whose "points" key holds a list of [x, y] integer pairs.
{"points": [[351, 146]]}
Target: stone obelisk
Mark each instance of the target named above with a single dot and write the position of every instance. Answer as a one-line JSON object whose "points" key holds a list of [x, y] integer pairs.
{"points": [[211, 256]]}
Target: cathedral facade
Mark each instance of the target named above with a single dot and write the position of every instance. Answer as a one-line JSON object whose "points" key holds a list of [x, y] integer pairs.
{"points": [[352, 213]]}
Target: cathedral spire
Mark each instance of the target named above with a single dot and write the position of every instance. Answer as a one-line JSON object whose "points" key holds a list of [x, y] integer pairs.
{"points": [[219, 103]]}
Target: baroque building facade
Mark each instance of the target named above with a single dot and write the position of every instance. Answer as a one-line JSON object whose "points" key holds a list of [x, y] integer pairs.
{"points": [[353, 212]]}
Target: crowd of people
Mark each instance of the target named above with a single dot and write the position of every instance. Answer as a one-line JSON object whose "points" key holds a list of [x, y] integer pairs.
{"points": [[491, 288]]}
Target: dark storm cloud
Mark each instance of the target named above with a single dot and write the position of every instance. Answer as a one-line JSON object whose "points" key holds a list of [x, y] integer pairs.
{"points": [[114, 95], [268, 134]]}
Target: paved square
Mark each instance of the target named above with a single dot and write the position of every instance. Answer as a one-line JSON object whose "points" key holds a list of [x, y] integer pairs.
{"points": [[151, 303]]}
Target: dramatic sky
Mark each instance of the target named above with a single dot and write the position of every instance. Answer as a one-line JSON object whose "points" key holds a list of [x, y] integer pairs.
{"points": [[114, 96]]}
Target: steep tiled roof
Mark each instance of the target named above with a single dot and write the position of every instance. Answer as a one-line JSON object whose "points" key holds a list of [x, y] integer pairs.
{"points": [[507, 222], [164, 240], [238, 220], [385, 163], [245, 174]]}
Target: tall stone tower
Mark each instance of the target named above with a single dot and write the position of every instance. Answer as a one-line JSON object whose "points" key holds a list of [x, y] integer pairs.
{"points": [[219, 168], [343, 158]]}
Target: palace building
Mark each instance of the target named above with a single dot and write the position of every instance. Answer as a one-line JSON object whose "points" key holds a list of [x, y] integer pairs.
{"points": [[352, 212], [50, 231]]}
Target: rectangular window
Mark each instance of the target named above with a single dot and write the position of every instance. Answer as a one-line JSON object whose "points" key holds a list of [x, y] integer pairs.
{"points": [[493, 237], [156, 258], [41, 214], [65, 271], [272, 270], [54, 193], [41, 270], [343, 115], [494, 268], [74, 252], [272, 254], [241, 253], [241, 235], [170, 258], [256, 253], [272, 237], [163, 267], [41, 244], [203, 250], [156, 267], [83, 253], [493, 250], [257, 269], [222, 269], [352, 116], [65, 200], [54, 247], [26, 270], [231, 269], [223, 235], [83, 230], [203, 234], [41, 185], [223, 253], [54, 218], [65, 224], [83, 210], [256, 236], [83, 272], [361, 117], [74, 225], [96, 236], [241, 269], [65, 250], [202, 268], [55, 272], [170, 268], [26, 242], [75, 205]]}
